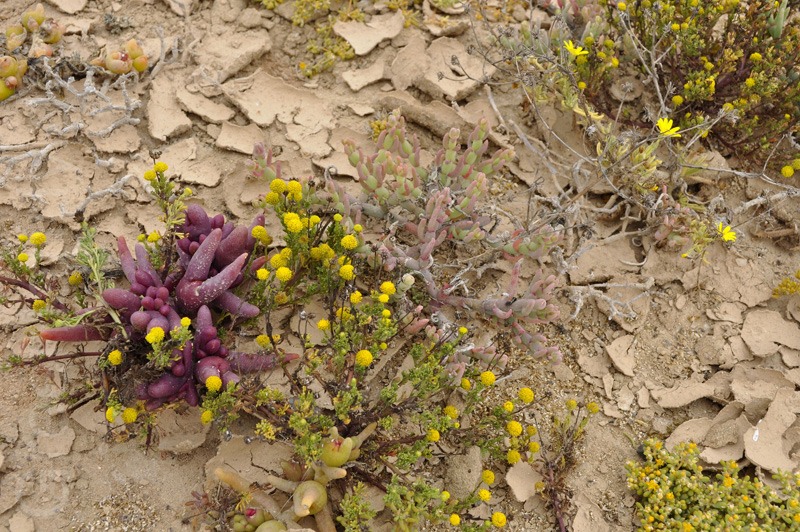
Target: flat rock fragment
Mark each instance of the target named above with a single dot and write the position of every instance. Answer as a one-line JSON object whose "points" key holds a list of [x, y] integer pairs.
{"points": [[164, 117], [58, 444], [239, 138], [205, 108], [69, 6], [522, 479], [463, 472], [181, 8], [365, 36], [765, 330], [312, 143], [621, 355], [410, 65], [358, 79], [227, 56], [181, 433], [693, 430], [719, 385], [460, 77], [185, 164], [764, 444]]}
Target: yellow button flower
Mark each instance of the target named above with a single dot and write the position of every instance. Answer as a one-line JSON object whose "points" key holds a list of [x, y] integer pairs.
{"points": [[484, 495], [514, 428], [283, 274], [38, 239], [115, 357], [213, 383], [206, 417], [278, 186], [349, 242], [433, 435], [388, 288], [160, 167], [323, 325], [130, 415], [185, 322], [347, 272], [155, 335], [487, 476], [455, 520], [487, 378], [363, 358], [356, 297], [526, 395], [499, 518]]}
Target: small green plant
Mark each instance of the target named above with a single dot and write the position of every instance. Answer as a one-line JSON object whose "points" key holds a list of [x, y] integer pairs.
{"points": [[675, 493]]}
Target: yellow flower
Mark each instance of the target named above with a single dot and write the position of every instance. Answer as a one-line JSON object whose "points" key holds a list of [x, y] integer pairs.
{"points": [[263, 340], [260, 233], [484, 495], [75, 279], [726, 233], [337, 217], [384, 346], [383, 298], [22, 237], [622, 6], [665, 128], [38, 305], [388, 288], [451, 411], [755, 57], [581, 60], [22, 257], [487, 378], [276, 261], [149, 175], [499, 518], [323, 325], [185, 321], [349, 242], [571, 404], [487, 476], [514, 428], [525, 395], [283, 274], [160, 167], [462, 331], [293, 223], [206, 417], [513, 456], [508, 406], [534, 447], [347, 272], [153, 237], [213, 383], [363, 358], [455, 520], [593, 407], [281, 298], [581, 85], [294, 187], [531, 430], [115, 357], [675, 26], [355, 297], [386, 313], [262, 273], [787, 171], [272, 198], [155, 335], [358, 228], [278, 186], [749, 82], [433, 435], [111, 413], [188, 191], [575, 51], [38, 239], [796, 164], [297, 196], [615, 62], [677, 100], [129, 415], [466, 384]]}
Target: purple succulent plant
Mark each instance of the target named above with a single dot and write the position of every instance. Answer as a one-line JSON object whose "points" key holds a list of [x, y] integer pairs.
{"points": [[211, 259]]}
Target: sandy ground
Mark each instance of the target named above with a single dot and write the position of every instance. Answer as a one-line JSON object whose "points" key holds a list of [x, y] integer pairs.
{"points": [[687, 340]]}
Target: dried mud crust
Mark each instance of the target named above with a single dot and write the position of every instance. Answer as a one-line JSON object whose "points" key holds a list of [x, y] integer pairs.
{"points": [[689, 351]]}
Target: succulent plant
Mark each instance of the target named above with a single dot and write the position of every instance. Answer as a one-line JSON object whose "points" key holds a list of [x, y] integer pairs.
{"points": [[161, 304]]}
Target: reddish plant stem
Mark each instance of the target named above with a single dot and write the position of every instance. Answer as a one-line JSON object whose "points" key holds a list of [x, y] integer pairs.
{"points": [[52, 358], [33, 290]]}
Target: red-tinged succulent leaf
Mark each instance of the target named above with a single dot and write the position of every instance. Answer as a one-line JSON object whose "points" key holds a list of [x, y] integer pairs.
{"points": [[126, 260], [157, 320], [140, 319], [232, 246], [143, 264], [77, 333], [255, 362], [120, 299], [211, 367], [166, 386], [203, 320], [212, 288], [197, 221], [232, 303], [198, 267]]}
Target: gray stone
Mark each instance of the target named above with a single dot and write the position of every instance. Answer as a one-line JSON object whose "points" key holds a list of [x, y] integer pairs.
{"points": [[58, 444], [463, 472]]}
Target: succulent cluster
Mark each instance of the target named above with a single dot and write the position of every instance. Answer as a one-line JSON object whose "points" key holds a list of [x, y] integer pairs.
{"points": [[675, 493], [130, 57], [431, 207], [34, 35], [164, 319]]}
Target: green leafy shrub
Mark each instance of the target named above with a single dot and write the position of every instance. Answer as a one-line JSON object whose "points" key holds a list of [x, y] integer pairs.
{"points": [[675, 493]]}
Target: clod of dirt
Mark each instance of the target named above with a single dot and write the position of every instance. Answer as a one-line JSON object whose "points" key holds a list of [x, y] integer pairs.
{"points": [[365, 36], [185, 161], [58, 444], [205, 108], [756, 388], [66, 165], [313, 142], [410, 65], [789, 356], [181, 433], [239, 138], [727, 311], [718, 386], [164, 117], [21, 522], [626, 89], [693, 430], [764, 330], [596, 365], [181, 8], [439, 26], [588, 517], [724, 440], [461, 73], [620, 353], [521, 478], [601, 263], [69, 6], [358, 79], [463, 472], [224, 57], [764, 444]]}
